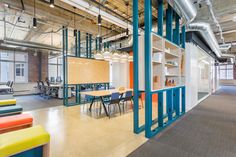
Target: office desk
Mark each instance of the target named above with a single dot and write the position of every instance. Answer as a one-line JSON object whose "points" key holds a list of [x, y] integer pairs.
{"points": [[59, 88], [101, 94]]}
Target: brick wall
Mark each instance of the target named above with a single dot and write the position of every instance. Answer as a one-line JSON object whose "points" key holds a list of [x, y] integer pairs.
{"points": [[33, 66]]}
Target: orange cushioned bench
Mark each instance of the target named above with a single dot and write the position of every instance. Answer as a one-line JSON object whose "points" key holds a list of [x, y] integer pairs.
{"points": [[16, 122]]}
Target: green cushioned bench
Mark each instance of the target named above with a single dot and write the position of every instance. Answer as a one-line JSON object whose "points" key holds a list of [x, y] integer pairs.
{"points": [[10, 110], [30, 142]]}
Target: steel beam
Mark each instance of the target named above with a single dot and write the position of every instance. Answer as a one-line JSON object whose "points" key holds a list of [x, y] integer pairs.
{"points": [[169, 19]]}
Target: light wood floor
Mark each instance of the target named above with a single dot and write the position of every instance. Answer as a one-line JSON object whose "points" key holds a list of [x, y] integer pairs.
{"points": [[76, 133]]}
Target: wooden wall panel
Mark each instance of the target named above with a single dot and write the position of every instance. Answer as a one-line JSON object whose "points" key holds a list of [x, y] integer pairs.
{"points": [[83, 71]]}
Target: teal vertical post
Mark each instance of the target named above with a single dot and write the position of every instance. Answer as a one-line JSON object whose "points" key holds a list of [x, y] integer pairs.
{"points": [[160, 109], [96, 43], [90, 45], [183, 100], [87, 49], [64, 63], [183, 36], [177, 101], [160, 17], [76, 43], [147, 54], [79, 44], [177, 34], [136, 67], [169, 19], [169, 103]]}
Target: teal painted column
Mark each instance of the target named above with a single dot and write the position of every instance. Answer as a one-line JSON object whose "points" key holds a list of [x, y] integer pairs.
{"points": [[136, 67], [169, 19], [183, 36], [90, 45], [147, 54], [76, 43], [87, 44], [160, 17], [79, 46], [176, 37]]}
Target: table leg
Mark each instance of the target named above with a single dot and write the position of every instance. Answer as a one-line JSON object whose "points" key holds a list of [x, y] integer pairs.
{"points": [[104, 107], [91, 103]]}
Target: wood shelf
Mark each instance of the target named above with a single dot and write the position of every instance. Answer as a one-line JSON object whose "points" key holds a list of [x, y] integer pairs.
{"points": [[156, 49], [171, 65], [172, 75], [156, 62], [170, 55], [170, 45]]}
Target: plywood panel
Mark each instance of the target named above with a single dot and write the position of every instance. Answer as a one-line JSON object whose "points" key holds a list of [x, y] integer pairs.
{"points": [[83, 71]]}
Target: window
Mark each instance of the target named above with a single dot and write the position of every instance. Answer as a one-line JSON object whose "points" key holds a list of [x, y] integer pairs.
{"points": [[13, 66], [226, 72], [55, 68]]}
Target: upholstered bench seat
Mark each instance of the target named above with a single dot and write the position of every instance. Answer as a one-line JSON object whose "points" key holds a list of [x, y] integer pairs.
{"points": [[7, 102], [15, 122], [21, 142], [10, 110]]}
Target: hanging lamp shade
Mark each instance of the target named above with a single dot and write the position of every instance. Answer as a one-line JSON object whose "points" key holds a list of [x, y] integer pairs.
{"points": [[130, 58], [34, 22], [115, 56], [107, 55], [98, 55], [124, 57], [51, 3]]}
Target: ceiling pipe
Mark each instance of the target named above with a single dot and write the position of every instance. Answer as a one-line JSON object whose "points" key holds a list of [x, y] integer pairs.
{"points": [[85, 6], [208, 35], [185, 9], [19, 43]]}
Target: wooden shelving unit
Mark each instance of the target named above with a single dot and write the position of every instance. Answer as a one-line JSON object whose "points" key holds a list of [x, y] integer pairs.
{"points": [[167, 62]]}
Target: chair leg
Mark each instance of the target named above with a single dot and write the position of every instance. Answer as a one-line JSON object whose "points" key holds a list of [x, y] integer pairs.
{"points": [[119, 108], [123, 107]]}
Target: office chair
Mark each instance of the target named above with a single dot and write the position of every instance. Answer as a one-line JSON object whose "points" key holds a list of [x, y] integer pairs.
{"points": [[114, 100], [128, 97]]}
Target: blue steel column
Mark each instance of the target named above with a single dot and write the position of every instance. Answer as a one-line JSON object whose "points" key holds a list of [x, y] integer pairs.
{"points": [[177, 35], [64, 69], [169, 19], [79, 43], [90, 45], [160, 17], [136, 67], [87, 45], [147, 54], [183, 34]]}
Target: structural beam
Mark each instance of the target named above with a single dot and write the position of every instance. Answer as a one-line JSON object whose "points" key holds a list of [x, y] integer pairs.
{"points": [[169, 19], [160, 17], [183, 36]]}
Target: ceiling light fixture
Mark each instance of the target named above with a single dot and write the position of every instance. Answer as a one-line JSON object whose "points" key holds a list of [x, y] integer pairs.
{"points": [[51, 3], [34, 18], [6, 5], [127, 29]]}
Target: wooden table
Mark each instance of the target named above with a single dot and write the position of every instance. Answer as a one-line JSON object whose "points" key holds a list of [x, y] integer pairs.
{"points": [[101, 94]]}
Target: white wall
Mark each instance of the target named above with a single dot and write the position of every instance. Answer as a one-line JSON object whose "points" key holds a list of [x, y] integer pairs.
{"points": [[120, 74], [195, 82]]}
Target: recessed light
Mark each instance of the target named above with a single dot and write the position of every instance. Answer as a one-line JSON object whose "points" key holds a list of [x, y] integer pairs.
{"points": [[6, 5]]}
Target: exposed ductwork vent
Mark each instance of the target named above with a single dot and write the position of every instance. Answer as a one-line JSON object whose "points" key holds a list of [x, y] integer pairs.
{"points": [[185, 9], [18, 43], [208, 35]]}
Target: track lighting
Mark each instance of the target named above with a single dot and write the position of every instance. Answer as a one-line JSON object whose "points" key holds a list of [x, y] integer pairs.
{"points": [[51, 3], [34, 22]]}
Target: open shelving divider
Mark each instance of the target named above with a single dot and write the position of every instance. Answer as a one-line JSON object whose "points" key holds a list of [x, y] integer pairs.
{"points": [[167, 62]]}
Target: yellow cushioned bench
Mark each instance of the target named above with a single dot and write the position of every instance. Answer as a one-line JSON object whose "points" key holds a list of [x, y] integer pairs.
{"points": [[18, 142], [7, 102]]}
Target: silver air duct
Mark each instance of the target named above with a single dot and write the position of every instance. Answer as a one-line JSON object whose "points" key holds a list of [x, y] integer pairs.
{"points": [[206, 32], [208, 35], [18, 43], [185, 9]]}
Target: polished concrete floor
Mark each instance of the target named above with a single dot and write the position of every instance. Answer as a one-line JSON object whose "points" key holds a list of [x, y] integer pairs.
{"points": [[77, 133], [209, 130]]}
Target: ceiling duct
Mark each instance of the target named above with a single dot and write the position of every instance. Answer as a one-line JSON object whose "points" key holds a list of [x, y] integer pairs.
{"points": [[208, 35], [184, 8], [23, 44]]}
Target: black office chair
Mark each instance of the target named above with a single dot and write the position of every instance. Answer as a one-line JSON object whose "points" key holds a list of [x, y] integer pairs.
{"points": [[11, 86], [8, 83]]}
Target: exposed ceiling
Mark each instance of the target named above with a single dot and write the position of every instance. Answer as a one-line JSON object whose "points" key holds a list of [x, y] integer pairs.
{"points": [[225, 13]]}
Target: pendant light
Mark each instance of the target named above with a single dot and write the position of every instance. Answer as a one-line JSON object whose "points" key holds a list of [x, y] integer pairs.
{"points": [[75, 31], [127, 29], [124, 57], [51, 4], [34, 18], [115, 54]]}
